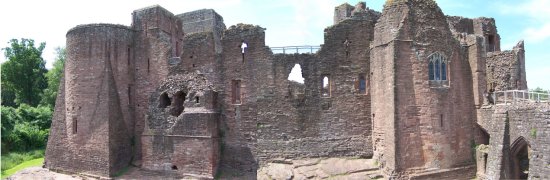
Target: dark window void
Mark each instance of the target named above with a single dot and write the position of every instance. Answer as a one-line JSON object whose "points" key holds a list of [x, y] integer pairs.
{"points": [[346, 46], [325, 89], [521, 161], [129, 94], [164, 100], [148, 65], [75, 125], [177, 105], [174, 167], [197, 99], [437, 67], [362, 84], [236, 92]]}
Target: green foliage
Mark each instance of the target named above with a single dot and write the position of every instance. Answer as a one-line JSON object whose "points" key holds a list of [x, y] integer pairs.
{"points": [[24, 71], [534, 132], [37, 116], [8, 96], [544, 93], [54, 76], [25, 128], [13, 159], [30, 163]]}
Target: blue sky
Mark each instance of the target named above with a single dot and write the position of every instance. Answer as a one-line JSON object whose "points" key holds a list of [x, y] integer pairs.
{"points": [[288, 22]]}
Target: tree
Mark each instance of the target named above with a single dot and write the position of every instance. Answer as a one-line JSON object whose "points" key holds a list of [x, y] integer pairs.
{"points": [[54, 76], [24, 71]]}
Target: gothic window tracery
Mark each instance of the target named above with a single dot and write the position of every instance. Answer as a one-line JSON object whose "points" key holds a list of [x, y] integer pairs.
{"points": [[437, 67]]}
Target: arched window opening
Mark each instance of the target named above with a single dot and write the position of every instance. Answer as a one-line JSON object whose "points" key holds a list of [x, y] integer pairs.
{"points": [[520, 158], [437, 67], [296, 74], [325, 89], [177, 106], [164, 100]]}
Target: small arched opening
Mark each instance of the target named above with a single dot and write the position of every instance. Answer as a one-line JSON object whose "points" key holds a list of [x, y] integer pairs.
{"points": [[177, 106], [520, 158], [164, 100]]}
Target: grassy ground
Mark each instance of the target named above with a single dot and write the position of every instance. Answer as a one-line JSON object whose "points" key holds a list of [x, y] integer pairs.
{"points": [[13, 159], [26, 164]]}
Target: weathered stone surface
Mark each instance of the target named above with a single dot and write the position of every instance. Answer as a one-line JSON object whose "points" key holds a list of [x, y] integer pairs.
{"points": [[180, 95], [317, 168]]}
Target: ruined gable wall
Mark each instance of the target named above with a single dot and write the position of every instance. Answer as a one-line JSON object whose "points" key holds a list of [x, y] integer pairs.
{"points": [[506, 69], [158, 38], [487, 28]]}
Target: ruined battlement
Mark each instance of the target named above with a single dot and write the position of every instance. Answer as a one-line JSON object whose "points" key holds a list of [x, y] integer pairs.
{"points": [[84, 27]]}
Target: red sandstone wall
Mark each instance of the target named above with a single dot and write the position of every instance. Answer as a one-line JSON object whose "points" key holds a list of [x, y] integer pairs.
{"points": [[157, 34], [96, 122], [433, 120]]}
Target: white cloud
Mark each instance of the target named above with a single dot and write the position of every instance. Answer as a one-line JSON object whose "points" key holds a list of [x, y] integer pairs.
{"points": [[538, 15]]}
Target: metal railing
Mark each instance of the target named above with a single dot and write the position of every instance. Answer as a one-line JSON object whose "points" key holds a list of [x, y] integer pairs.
{"points": [[505, 97], [295, 49]]}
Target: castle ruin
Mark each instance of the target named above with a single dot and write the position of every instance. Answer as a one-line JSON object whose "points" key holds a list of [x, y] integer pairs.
{"points": [[416, 90]]}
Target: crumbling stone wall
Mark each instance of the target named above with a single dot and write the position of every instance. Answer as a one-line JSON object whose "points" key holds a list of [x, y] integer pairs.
{"points": [[158, 38], [181, 134], [506, 69], [507, 124]]}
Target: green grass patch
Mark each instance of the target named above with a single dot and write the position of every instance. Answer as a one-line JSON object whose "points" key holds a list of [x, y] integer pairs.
{"points": [[13, 159], [26, 164]]}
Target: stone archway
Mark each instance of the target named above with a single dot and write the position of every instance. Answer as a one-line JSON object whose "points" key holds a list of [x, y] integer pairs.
{"points": [[520, 158]]}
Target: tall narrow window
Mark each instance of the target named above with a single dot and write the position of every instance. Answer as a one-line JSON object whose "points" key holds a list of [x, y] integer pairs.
{"points": [[431, 67], [443, 70], [236, 92], [75, 125], [362, 84], [325, 89], [437, 67]]}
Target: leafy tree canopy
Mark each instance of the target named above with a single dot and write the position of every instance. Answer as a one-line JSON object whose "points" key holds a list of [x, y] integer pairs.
{"points": [[54, 76], [24, 71]]}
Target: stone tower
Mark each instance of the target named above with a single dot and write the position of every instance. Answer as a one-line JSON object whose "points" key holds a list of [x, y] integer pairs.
{"points": [[422, 107]]}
